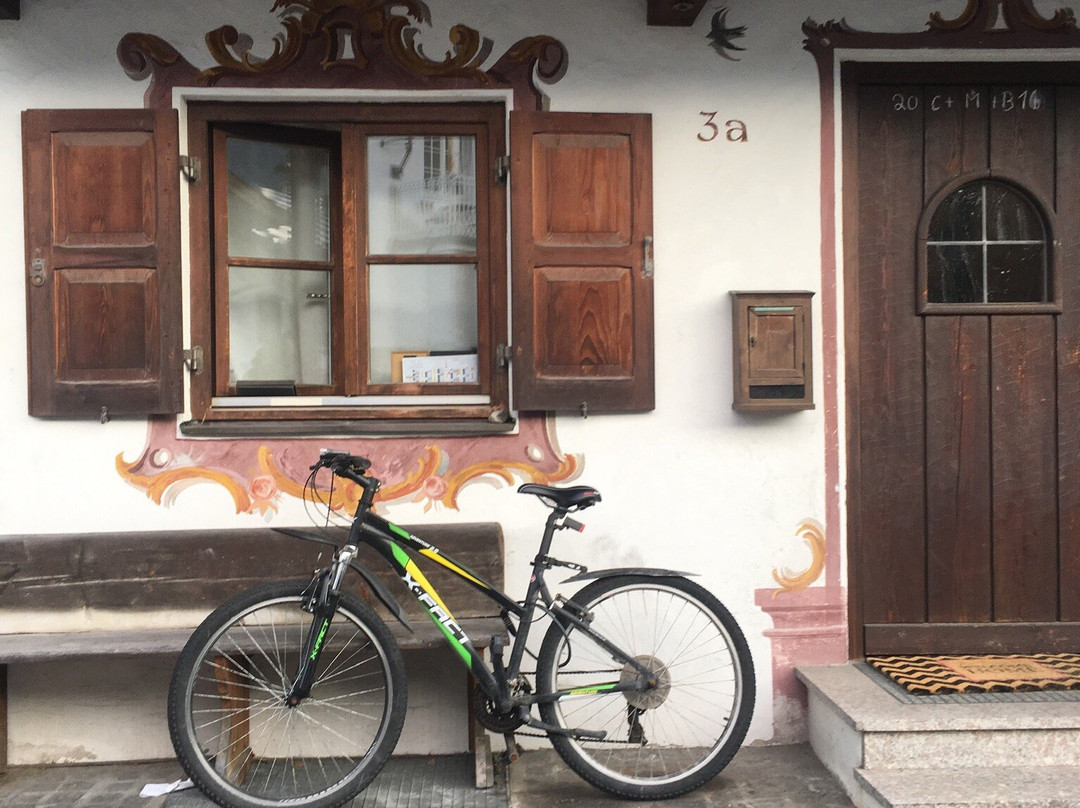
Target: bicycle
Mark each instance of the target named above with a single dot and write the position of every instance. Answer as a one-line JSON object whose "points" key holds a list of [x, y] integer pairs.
{"points": [[294, 693]]}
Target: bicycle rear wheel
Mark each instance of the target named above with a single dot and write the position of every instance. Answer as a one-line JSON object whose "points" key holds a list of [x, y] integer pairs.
{"points": [[232, 729], [673, 737]]}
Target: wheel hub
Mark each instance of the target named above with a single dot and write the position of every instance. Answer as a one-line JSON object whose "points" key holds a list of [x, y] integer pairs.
{"points": [[653, 696]]}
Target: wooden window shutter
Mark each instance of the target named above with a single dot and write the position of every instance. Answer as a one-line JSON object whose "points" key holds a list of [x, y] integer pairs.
{"points": [[581, 202], [103, 262]]}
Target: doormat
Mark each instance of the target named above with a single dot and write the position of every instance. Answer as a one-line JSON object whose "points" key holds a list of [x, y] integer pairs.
{"points": [[1013, 673]]}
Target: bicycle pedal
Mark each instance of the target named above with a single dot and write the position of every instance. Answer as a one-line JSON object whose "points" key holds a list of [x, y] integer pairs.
{"points": [[513, 748]]}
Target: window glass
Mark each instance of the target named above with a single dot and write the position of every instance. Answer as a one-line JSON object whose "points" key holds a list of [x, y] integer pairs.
{"points": [[279, 325], [960, 216], [1015, 272], [418, 311], [279, 201], [422, 194], [1009, 216], [987, 244], [955, 273]]}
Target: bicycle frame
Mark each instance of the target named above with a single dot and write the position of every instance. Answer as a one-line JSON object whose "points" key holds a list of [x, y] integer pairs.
{"points": [[390, 542]]}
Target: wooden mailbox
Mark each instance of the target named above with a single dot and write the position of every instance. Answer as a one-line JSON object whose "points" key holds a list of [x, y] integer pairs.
{"points": [[772, 361]]}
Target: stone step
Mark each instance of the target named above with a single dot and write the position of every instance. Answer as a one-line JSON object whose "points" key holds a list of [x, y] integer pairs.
{"points": [[887, 752], [887, 733], [997, 787]]}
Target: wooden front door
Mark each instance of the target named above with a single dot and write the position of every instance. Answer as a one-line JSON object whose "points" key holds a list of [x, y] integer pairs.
{"points": [[962, 209]]}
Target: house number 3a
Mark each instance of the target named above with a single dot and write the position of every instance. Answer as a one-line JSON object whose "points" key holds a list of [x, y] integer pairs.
{"points": [[734, 130]]}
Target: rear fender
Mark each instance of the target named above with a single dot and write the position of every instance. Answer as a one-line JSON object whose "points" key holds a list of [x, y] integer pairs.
{"points": [[652, 572]]}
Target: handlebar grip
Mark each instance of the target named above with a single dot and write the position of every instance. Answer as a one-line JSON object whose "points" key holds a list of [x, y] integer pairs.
{"points": [[342, 461]]}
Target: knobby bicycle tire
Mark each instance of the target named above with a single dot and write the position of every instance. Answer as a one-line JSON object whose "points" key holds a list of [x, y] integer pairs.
{"points": [[232, 729], [663, 741]]}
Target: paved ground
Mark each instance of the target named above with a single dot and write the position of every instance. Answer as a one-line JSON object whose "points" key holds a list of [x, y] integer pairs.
{"points": [[759, 777]]}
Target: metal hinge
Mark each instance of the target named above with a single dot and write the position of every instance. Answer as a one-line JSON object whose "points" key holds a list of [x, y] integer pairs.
{"points": [[502, 357], [191, 168], [502, 168], [647, 266], [193, 359]]}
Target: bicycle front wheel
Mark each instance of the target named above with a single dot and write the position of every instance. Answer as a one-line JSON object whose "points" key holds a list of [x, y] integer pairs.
{"points": [[235, 733], [673, 736]]}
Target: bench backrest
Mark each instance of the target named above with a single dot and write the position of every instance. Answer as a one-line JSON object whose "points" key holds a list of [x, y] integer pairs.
{"points": [[194, 569]]}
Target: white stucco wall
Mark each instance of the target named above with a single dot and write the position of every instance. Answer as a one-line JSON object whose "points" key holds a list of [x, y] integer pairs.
{"points": [[692, 485]]}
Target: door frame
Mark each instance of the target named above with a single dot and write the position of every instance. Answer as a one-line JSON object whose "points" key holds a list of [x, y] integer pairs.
{"points": [[968, 43], [1033, 636]]}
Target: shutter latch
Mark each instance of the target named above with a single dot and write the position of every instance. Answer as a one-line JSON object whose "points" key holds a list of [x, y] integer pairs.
{"points": [[502, 168], [502, 357], [191, 168], [37, 272], [193, 359]]}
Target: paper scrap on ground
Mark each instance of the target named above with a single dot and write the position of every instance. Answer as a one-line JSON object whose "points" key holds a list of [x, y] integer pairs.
{"points": [[157, 789]]}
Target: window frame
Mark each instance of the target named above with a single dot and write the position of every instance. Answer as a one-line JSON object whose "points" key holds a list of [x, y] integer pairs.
{"points": [[223, 260], [1043, 209], [486, 117]]}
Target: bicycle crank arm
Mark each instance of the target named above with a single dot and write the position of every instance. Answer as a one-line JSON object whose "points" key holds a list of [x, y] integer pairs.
{"points": [[583, 734]]}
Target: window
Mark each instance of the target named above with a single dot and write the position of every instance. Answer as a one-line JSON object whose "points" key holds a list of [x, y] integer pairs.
{"points": [[357, 259], [987, 243], [348, 263]]}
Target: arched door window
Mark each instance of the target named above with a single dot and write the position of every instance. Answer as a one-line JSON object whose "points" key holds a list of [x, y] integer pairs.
{"points": [[988, 243]]}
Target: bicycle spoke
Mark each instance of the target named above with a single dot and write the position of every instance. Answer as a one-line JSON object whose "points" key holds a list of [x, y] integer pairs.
{"points": [[678, 730], [249, 744]]}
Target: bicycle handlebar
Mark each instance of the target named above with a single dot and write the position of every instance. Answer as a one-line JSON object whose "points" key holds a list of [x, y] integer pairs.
{"points": [[349, 466]]}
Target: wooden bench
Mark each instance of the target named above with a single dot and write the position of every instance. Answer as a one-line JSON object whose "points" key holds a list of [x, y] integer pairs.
{"points": [[156, 587]]}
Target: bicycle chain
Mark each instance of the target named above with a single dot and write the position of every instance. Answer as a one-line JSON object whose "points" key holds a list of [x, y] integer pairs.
{"points": [[545, 735]]}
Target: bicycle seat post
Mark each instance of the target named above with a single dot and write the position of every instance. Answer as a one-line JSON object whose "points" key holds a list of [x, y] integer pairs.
{"points": [[537, 587]]}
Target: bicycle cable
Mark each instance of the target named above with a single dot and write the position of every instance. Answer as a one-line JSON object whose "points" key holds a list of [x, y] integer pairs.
{"points": [[312, 498]]}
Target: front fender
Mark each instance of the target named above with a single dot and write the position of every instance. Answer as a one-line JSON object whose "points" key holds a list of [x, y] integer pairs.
{"points": [[382, 593], [594, 575]]}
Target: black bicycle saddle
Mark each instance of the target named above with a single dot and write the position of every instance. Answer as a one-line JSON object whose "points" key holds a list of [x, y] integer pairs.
{"points": [[577, 497]]}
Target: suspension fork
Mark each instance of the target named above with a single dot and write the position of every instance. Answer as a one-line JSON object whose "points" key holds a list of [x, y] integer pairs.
{"points": [[322, 601]]}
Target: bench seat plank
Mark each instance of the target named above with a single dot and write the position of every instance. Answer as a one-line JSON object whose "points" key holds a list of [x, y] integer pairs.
{"points": [[17, 648], [194, 569]]}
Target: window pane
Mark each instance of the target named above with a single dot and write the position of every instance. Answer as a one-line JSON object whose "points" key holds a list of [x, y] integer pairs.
{"points": [[960, 216], [279, 201], [1016, 273], [422, 195], [279, 325], [1002, 260], [1009, 216], [421, 309], [954, 274]]}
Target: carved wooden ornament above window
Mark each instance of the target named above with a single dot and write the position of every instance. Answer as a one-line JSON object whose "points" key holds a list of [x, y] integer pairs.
{"points": [[347, 43], [982, 24]]}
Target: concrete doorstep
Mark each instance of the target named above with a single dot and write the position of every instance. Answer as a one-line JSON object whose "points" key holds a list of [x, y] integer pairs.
{"points": [[889, 753]]}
